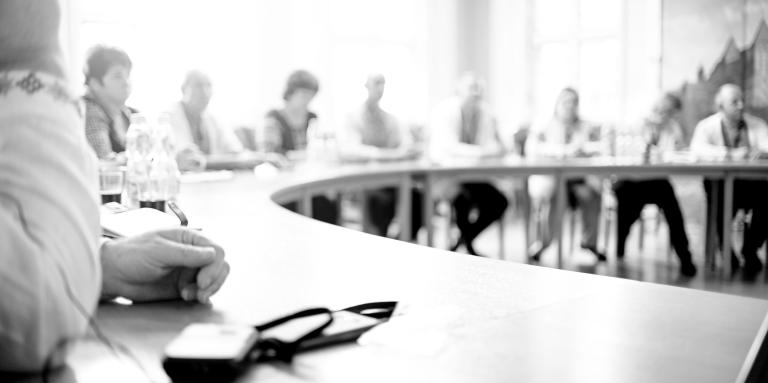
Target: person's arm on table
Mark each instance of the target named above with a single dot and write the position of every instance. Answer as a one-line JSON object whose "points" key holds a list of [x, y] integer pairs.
{"points": [[226, 139], [161, 265]]}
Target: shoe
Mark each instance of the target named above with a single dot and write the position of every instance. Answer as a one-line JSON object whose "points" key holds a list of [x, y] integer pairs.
{"points": [[600, 256], [536, 255], [688, 269], [471, 250], [457, 244]]}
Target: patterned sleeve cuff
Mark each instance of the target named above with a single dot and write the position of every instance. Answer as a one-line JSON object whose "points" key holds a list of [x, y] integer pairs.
{"points": [[30, 83]]}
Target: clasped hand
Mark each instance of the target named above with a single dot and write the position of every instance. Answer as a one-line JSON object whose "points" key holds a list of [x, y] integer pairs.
{"points": [[163, 264]]}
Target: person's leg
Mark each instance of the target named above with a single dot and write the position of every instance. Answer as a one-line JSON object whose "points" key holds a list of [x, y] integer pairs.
{"points": [[380, 205], [589, 200], [751, 194], [491, 204], [542, 194], [663, 195], [417, 206], [324, 209], [629, 205], [709, 187], [462, 206]]}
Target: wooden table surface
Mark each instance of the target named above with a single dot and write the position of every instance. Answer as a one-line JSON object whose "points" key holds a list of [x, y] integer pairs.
{"points": [[488, 320]]}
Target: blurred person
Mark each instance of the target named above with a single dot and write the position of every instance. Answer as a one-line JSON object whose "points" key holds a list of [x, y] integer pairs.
{"points": [[55, 268], [195, 132], [107, 118], [567, 135], [464, 128], [285, 132], [285, 129], [663, 134], [732, 133], [373, 134]]}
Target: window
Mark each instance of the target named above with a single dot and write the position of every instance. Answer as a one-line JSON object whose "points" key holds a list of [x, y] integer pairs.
{"points": [[250, 47]]}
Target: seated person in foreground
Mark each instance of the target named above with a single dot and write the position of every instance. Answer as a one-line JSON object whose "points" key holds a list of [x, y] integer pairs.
{"points": [[195, 132], [55, 268], [463, 128], [373, 134], [661, 133], [732, 133], [564, 136], [285, 132], [107, 118]]}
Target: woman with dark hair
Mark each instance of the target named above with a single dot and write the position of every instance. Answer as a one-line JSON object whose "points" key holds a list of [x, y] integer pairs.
{"points": [[567, 135], [285, 130], [107, 79]]}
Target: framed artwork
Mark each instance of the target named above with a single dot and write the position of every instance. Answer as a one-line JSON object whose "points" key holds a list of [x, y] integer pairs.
{"points": [[708, 43]]}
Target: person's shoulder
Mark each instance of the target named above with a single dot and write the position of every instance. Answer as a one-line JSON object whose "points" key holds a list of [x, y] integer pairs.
{"points": [[753, 120], [712, 119], [93, 108], [274, 113]]}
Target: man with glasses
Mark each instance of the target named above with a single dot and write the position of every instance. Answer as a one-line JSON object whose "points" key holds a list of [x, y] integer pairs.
{"points": [[731, 133]]}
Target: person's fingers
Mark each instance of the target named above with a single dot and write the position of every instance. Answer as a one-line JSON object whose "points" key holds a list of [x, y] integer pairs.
{"points": [[208, 274], [190, 237], [185, 284], [178, 254], [189, 292], [188, 248], [203, 295]]}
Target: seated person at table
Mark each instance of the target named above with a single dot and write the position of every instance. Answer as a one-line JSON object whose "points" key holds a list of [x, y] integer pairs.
{"points": [[463, 128], [285, 130], [195, 132], [55, 268], [732, 133], [107, 79], [373, 134], [564, 136], [661, 133]]}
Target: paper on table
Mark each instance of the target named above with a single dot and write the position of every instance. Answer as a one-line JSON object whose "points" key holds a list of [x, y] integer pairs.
{"points": [[133, 222], [197, 177]]}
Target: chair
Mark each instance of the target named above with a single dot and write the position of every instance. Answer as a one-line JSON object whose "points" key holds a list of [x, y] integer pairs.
{"points": [[609, 220], [444, 208]]}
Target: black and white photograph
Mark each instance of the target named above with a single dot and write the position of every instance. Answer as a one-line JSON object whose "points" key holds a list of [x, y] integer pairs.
{"points": [[383, 191]]}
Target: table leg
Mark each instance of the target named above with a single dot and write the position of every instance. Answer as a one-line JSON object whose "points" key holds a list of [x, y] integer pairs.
{"points": [[365, 222], [727, 216], [427, 209], [404, 207], [710, 230], [306, 204], [526, 217], [560, 206]]}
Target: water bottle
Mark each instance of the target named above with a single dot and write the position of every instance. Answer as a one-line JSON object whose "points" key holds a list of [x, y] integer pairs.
{"points": [[321, 144], [153, 176], [138, 150]]}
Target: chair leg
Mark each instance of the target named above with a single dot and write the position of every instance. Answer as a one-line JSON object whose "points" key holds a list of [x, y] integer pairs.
{"points": [[502, 253], [573, 231], [641, 235]]}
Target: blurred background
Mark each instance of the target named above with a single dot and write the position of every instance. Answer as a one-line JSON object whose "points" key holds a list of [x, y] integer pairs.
{"points": [[619, 53]]}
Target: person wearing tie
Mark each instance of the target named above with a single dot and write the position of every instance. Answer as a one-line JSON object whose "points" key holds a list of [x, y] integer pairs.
{"points": [[195, 132], [661, 133], [733, 134]]}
